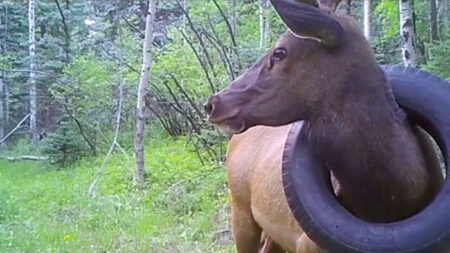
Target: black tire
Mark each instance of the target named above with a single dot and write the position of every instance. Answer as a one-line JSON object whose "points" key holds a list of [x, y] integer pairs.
{"points": [[426, 99]]}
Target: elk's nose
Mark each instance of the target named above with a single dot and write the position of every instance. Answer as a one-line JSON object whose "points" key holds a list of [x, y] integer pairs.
{"points": [[208, 107]]}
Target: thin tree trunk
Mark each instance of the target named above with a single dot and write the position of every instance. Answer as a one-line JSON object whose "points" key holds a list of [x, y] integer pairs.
{"points": [[264, 23], [2, 110], [433, 20], [2, 84], [261, 24], [367, 14], [438, 18], [5, 83], [446, 16], [32, 51], [349, 7], [443, 17], [6, 87], [115, 143], [266, 5], [143, 84], [409, 53]]}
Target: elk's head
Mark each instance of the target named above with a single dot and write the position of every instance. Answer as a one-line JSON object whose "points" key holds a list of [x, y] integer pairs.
{"points": [[300, 75]]}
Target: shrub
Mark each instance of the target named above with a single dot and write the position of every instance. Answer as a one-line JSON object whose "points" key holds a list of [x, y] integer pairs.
{"points": [[65, 145], [439, 55]]}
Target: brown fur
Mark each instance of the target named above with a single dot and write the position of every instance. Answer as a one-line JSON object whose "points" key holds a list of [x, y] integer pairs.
{"points": [[352, 121]]}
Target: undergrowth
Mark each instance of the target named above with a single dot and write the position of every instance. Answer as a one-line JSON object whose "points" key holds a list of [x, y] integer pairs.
{"points": [[182, 208]]}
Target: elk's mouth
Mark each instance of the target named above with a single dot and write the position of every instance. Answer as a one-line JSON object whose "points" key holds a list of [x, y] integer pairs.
{"points": [[231, 125]]}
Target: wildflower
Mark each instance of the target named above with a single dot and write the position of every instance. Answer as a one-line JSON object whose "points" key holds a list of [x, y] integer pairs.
{"points": [[67, 237]]}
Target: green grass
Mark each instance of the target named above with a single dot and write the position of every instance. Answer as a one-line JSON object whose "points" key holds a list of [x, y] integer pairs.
{"points": [[183, 208]]}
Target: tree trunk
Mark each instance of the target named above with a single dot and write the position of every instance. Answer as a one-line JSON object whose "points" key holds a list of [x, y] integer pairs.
{"points": [[367, 14], [143, 84], [433, 20], [5, 83], [266, 5], [2, 110], [409, 53], [264, 23], [349, 7], [2, 86], [32, 51], [261, 24]]}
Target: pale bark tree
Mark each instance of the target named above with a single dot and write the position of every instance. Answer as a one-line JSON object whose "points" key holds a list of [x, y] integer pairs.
{"points": [[120, 101], [409, 53], [2, 86], [264, 23], [349, 7], [367, 14], [261, 24], [32, 80], [143, 84], [433, 21], [5, 83], [443, 18], [2, 110]]}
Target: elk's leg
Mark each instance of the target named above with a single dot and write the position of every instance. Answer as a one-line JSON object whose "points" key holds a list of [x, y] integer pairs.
{"points": [[269, 246], [306, 245], [247, 232]]}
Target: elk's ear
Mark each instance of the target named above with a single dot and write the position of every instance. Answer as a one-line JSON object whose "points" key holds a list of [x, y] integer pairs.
{"points": [[305, 20]]}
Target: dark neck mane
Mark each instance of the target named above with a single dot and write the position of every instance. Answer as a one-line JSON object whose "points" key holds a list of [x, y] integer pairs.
{"points": [[370, 147]]}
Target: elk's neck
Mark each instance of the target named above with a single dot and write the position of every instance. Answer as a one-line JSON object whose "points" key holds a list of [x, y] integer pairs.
{"points": [[370, 147]]}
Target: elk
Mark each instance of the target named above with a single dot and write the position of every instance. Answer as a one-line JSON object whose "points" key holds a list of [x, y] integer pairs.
{"points": [[322, 75]]}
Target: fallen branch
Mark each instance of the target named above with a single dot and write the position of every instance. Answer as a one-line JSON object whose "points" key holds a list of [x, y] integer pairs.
{"points": [[12, 131], [114, 143], [24, 157]]}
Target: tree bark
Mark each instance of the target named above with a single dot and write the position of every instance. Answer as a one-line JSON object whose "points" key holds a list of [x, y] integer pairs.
{"points": [[5, 83], [367, 14], [264, 23], [261, 24], [32, 52], [2, 84], [267, 22], [143, 84], [433, 20], [409, 53], [349, 7], [2, 110], [443, 17]]}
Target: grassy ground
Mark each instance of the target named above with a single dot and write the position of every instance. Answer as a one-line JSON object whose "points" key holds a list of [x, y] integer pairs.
{"points": [[183, 208]]}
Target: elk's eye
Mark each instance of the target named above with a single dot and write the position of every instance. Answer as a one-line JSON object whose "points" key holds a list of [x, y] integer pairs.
{"points": [[279, 54]]}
